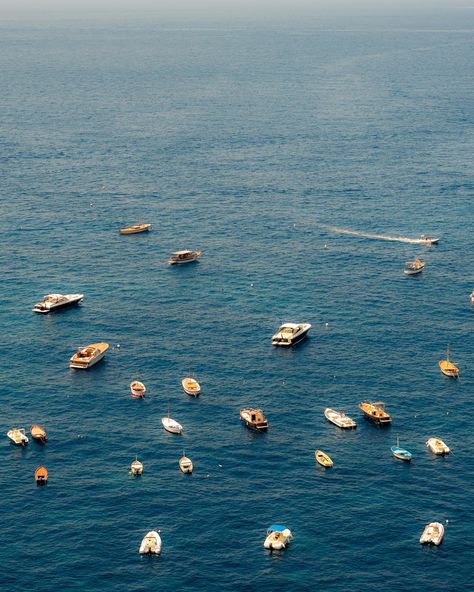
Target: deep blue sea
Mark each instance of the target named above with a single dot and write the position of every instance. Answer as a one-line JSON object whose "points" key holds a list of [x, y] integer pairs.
{"points": [[267, 147]]}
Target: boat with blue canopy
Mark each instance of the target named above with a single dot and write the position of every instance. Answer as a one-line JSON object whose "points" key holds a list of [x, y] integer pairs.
{"points": [[277, 537]]}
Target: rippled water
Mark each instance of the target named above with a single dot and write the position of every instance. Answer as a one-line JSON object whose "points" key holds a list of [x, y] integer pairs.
{"points": [[258, 146]]}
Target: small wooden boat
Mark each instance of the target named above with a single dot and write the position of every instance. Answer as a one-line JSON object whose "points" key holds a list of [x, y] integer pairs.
{"points": [[185, 464], [432, 534], [400, 453], [437, 446], [18, 436], [151, 544], [254, 419], [41, 475], [85, 357], [191, 387], [448, 368], [136, 467], [135, 228], [375, 412], [278, 536], [38, 433], [323, 459], [414, 267], [137, 389], [171, 425], [339, 418], [181, 257]]}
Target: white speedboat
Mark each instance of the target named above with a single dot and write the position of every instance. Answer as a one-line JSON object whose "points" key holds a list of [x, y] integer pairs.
{"points": [[171, 425], [278, 537], [427, 239], [85, 357], [191, 386], [151, 543], [290, 333], [437, 446], [339, 418], [18, 436], [138, 389], [53, 302], [181, 257], [432, 534]]}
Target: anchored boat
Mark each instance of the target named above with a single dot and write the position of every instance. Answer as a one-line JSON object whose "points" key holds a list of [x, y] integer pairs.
{"points": [[432, 534], [185, 464], [138, 389], [447, 367], [135, 228], [400, 453], [278, 537], [136, 467], [41, 476], [180, 257], [18, 436], [151, 544], [414, 267], [437, 446], [52, 302], [191, 387], [323, 459], [290, 334], [254, 419], [375, 412], [171, 425], [38, 433], [339, 418], [87, 356]]}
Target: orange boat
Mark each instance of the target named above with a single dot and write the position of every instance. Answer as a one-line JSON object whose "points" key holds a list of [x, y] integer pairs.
{"points": [[448, 368], [375, 412], [41, 476], [38, 433]]}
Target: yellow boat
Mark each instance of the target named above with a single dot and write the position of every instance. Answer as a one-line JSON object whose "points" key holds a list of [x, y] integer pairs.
{"points": [[323, 459], [447, 367], [135, 229]]}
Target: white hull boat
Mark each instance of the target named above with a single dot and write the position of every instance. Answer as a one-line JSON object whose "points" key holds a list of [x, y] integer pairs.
{"points": [[339, 418], [52, 302], [191, 387], [432, 534], [151, 543], [138, 389], [171, 425], [136, 468], [182, 257], [290, 333], [437, 446], [85, 357], [426, 239], [278, 537], [18, 436]]}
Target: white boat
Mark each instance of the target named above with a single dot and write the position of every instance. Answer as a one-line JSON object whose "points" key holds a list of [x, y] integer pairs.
{"points": [[85, 357], [136, 467], [437, 446], [278, 537], [432, 534], [171, 425], [18, 436], [191, 386], [414, 267], [339, 418], [185, 464], [290, 333], [138, 389], [151, 543], [181, 257], [52, 302], [427, 239]]}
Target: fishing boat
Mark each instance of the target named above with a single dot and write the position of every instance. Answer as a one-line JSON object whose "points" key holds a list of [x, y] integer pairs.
{"points": [[427, 239], [135, 228], [181, 257], [254, 419], [191, 386], [278, 536], [38, 433], [87, 356], [437, 446], [339, 418], [185, 464], [136, 467], [52, 302], [18, 436], [414, 267], [400, 453], [432, 534], [323, 459], [375, 412], [171, 425], [290, 333], [447, 367], [41, 475], [151, 544], [137, 389]]}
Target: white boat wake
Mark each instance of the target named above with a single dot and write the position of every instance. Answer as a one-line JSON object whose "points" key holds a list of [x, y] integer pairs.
{"points": [[387, 237]]}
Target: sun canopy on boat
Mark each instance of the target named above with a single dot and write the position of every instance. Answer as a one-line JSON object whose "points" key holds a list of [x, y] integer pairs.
{"points": [[276, 527], [181, 252], [290, 326]]}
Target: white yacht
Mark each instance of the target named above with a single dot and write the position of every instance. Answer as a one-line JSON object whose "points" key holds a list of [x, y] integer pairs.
{"points": [[290, 333], [53, 302], [18, 436], [85, 357], [151, 544], [339, 418], [432, 534]]}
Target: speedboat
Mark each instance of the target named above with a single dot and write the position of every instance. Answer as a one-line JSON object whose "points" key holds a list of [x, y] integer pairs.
{"points": [[375, 412], [339, 418], [18, 436], [427, 239], [254, 419], [185, 464], [151, 544], [41, 475], [38, 433], [135, 228], [290, 333], [414, 267], [171, 425], [432, 534], [278, 537], [400, 453], [136, 467], [437, 446], [179, 257], [191, 386], [448, 368], [138, 389], [53, 302], [323, 459], [85, 357]]}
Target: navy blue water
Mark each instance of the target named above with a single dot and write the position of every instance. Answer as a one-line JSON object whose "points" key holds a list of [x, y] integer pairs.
{"points": [[261, 146]]}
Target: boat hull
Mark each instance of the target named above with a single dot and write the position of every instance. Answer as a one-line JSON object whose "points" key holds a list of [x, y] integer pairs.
{"points": [[135, 229], [413, 271], [172, 426]]}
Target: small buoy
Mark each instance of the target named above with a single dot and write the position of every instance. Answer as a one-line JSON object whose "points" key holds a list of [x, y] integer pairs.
{"points": [[325, 246], [447, 521], [327, 324], [118, 345], [251, 285], [207, 475], [219, 466]]}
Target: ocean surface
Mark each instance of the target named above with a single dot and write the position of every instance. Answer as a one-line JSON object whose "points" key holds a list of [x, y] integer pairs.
{"points": [[291, 155]]}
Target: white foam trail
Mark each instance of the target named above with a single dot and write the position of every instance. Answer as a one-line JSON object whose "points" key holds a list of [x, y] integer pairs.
{"points": [[387, 237]]}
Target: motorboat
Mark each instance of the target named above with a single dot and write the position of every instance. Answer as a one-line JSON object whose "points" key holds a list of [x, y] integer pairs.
{"points": [[171, 425], [375, 412], [87, 356], [185, 464], [18, 436], [339, 418], [290, 334], [278, 536], [135, 228], [323, 459], [437, 446], [427, 239], [52, 302], [179, 257], [38, 433], [136, 467], [472, 297], [448, 368], [41, 475], [414, 267], [254, 419], [151, 544], [191, 386], [400, 453], [432, 534], [138, 389]]}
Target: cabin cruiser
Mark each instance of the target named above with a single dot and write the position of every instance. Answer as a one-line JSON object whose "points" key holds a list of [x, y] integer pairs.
{"points": [[185, 464], [151, 544], [432, 534], [437, 446], [254, 419], [53, 302], [135, 228], [191, 387], [85, 357], [38, 433], [179, 257], [18, 436], [414, 267], [375, 412], [339, 418], [290, 333], [278, 537], [427, 239], [136, 467]]}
